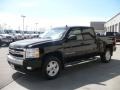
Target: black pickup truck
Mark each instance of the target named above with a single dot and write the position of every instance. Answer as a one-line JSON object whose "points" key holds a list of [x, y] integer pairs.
{"points": [[57, 47]]}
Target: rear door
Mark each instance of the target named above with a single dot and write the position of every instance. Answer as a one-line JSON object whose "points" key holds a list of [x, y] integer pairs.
{"points": [[90, 44]]}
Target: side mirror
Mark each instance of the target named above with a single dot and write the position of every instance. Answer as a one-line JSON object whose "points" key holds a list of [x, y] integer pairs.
{"points": [[72, 37]]}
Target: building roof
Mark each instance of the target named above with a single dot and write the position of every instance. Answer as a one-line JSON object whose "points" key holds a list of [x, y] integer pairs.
{"points": [[97, 25], [113, 17]]}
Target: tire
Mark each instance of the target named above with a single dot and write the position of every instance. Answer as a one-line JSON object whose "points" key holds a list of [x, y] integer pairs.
{"points": [[106, 56], [51, 67]]}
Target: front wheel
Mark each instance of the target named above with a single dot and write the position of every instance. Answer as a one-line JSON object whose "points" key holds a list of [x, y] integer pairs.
{"points": [[51, 67], [106, 56]]}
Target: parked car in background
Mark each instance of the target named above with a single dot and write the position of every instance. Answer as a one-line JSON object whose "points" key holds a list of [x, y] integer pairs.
{"points": [[11, 33], [8, 36], [18, 35], [5, 38], [113, 35], [26, 35], [34, 34], [100, 34]]}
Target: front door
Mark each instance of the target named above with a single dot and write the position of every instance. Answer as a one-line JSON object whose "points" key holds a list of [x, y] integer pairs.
{"points": [[73, 48]]}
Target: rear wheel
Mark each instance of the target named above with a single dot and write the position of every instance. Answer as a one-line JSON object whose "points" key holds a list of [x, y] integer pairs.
{"points": [[51, 67], [106, 57]]}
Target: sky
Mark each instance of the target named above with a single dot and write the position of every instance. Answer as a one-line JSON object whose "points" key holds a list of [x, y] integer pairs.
{"points": [[49, 13]]}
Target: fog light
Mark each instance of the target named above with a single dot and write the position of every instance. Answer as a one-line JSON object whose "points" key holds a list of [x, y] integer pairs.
{"points": [[29, 68]]}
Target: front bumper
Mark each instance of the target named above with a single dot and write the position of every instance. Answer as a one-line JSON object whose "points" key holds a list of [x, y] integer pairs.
{"points": [[14, 61], [29, 64]]}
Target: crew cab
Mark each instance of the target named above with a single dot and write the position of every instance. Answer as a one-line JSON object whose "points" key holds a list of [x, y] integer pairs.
{"points": [[57, 47]]}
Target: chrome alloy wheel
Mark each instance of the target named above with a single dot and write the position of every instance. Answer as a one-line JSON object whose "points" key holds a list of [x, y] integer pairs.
{"points": [[52, 68], [108, 55]]}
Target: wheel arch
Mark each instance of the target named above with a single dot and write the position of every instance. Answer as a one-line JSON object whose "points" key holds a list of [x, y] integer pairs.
{"points": [[109, 46], [57, 54]]}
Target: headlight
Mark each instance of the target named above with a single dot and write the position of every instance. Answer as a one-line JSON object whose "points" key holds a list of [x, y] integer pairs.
{"points": [[32, 53]]}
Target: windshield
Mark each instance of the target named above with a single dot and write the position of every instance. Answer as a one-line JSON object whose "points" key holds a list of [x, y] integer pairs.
{"points": [[55, 33]]}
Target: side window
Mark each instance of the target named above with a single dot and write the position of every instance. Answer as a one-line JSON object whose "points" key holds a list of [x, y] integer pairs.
{"points": [[87, 37], [88, 33], [77, 33]]}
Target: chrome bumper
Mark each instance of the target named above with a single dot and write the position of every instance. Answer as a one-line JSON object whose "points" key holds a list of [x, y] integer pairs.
{"points": [[14, 60]]}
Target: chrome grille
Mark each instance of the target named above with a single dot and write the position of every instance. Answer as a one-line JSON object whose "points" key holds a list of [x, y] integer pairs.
{"points": [[18, 53]]}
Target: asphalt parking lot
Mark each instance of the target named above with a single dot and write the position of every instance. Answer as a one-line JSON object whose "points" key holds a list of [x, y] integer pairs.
{"points": [[89, 76]]}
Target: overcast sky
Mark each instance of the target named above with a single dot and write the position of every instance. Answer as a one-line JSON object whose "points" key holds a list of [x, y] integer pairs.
{"points": [[56, 12]]}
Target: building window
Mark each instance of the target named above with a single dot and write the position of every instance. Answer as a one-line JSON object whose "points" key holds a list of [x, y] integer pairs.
{"points": [[112, 28], [116, 27]]}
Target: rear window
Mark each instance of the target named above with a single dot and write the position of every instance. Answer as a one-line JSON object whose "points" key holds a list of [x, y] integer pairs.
{"points": [[88, 33], [88, 30]]}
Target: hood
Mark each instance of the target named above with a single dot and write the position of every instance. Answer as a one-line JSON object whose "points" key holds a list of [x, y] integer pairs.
{"points": [[25, 43]]}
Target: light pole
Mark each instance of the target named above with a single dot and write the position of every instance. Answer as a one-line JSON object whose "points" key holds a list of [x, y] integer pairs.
{"points": [[23, 20], [36, 25]]}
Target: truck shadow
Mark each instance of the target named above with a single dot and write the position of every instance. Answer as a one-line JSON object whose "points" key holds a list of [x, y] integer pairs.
{"points": [[72, 77]]}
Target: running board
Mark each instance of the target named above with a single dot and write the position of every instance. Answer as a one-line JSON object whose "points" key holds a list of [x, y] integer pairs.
{"points": [[70, 64]]}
